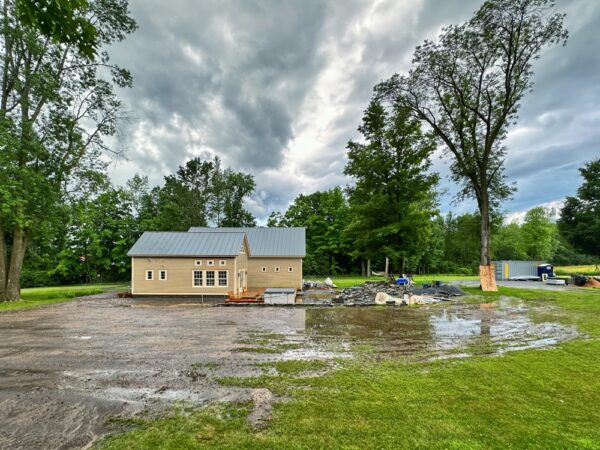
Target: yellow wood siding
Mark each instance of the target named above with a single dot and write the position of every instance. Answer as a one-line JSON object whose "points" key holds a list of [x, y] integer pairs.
{"points": [[259, 279], [180, 276]]}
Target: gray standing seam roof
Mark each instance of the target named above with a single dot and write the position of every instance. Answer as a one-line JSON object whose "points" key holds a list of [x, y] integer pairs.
{"points": [[277, 241], [161, 243]]}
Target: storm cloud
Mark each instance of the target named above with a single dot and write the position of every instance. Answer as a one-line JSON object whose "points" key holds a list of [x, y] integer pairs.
{"points": [[277, 88]]}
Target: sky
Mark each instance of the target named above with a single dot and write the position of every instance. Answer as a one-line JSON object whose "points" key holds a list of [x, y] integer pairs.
{"points": [[278, 88]]}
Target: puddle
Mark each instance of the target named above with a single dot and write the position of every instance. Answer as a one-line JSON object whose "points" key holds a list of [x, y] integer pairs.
{"points": [[450, 330]]}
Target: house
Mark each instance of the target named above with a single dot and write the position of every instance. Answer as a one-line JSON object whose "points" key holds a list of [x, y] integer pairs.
{"points": [[217, 261]]}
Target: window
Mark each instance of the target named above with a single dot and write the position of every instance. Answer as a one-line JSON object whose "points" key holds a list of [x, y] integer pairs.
{"points": [[277, 269], [198, 262], [263, 269], [210, 277], [210, 262], [162, 275], [197, 279], [149, 275], [290, 269], [222, 262], [222, 278]]}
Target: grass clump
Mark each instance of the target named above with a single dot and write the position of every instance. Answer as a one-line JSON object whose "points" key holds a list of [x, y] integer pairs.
{"points": [[295, 366]]}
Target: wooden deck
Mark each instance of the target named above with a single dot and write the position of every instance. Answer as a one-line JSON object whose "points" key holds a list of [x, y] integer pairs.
{"points": [[251, 295]]}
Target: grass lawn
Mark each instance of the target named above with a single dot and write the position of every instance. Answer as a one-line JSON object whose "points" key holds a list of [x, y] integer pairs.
{"points": [[32, 297], [344, 281], [543, 399], [589, 270]]}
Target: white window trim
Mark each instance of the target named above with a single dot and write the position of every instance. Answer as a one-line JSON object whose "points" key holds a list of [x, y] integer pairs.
{"points": [[222, 263], [226, 278], [214, 279], [160, 272], [151, 276], [263, 269], [198, 262], [290, 269], [194, 279], [210, 262], [277, 269]]}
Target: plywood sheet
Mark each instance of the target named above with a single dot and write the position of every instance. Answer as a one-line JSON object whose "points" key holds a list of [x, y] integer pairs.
{"points": [[487, 276]]}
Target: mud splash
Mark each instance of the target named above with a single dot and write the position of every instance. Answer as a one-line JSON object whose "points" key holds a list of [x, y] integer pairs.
{"points": [[64, 369]]}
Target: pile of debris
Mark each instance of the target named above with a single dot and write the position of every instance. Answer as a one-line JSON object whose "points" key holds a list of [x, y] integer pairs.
{"points": [[382, 293], [314, 284], [582, 281]]}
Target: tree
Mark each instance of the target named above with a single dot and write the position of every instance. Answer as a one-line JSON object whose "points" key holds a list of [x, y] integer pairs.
{"points": [[580, 216], [509, 243], [392, 200], [57, 105], [200, 193], [467, 89], [539, 234], [325, 215], [100, 232]]}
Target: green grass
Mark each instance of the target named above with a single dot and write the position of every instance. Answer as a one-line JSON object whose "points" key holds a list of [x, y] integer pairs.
{"points": [[33, 297], [542, 399], [588, 270], [344, 281]]}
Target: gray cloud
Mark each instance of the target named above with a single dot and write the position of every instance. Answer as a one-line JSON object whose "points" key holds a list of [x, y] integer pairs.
{"points": [[277, 88]]}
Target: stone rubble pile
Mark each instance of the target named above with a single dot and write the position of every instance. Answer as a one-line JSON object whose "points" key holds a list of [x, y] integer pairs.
{"points": [[379, 292]]}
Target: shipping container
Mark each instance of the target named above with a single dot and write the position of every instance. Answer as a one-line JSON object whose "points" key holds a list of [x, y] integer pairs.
{"points": [[514, 270]]}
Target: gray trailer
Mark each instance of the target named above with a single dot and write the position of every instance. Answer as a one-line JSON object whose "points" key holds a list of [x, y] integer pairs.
{"points": [[517, 270]]}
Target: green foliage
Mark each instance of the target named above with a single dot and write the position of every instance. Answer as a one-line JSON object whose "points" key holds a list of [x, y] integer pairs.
{"points": [[200, 193], [392, 199], [580, 216], [539, 234], [58, 105], [325, 215], [63, 21]]}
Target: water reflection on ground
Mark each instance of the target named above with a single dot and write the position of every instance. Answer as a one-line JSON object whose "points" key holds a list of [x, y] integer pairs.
{"points": [[448, 330]]}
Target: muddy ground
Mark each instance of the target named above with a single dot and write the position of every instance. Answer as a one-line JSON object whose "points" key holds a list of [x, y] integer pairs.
{"points": [[66, 368]]}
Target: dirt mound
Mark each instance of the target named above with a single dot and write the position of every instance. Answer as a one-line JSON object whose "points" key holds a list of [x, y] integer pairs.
{"points": [[592, 283]]}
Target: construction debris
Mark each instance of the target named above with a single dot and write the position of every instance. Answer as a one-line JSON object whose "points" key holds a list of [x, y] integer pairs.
{"points": [[381, 293]]}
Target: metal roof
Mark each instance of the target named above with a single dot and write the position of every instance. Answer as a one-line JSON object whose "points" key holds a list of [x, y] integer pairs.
{"points": [[161, 243], [278, 241]]}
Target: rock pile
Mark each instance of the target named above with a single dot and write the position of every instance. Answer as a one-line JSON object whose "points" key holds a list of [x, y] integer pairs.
{"points": [[365, 295]]}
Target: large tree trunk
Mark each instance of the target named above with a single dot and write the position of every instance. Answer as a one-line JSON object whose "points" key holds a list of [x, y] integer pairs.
{"points": [[2, 261], [487, 275], [12, 286], [484, 209]]}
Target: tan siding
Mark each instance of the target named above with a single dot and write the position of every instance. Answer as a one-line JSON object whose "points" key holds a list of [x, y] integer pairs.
{"points": [[179, 276], [270, 278]]}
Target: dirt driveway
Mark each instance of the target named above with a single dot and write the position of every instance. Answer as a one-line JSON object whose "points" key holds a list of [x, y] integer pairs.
{"points": [[66, 368]]}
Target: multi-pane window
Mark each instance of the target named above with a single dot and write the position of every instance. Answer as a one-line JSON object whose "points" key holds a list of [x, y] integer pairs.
{"points": [[162, 275], [197, 281], [222, 278], [210, 277], [149, 275]]}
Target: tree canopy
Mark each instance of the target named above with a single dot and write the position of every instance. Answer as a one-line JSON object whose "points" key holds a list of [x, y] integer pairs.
{"points": [[580, 216], [467, 88]]}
